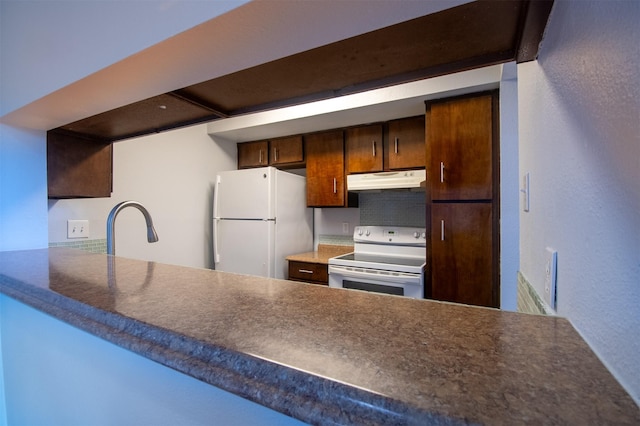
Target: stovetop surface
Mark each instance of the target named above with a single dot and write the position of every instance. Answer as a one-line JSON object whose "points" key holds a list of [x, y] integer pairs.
{"points": [[360, 259]]}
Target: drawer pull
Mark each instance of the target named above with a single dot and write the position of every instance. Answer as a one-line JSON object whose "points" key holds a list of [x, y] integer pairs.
{"points": [[396, 146], [305, 271]]}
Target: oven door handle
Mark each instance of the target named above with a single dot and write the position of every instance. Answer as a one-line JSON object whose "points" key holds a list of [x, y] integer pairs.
{"points": [[398, 279]]}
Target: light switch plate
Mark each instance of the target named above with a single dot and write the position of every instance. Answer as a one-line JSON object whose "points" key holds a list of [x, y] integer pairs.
{"points": [[77, 229]]}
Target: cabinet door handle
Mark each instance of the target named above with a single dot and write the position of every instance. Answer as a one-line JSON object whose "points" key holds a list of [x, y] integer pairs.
{"points": [[373, 145], [441, 172], [335, 186], [442, 230], [260, 159], [396, 146], [275, 154], [305, 271]]}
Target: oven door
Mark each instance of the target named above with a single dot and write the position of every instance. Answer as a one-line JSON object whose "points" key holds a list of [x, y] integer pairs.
{"points": [[397, 283]]}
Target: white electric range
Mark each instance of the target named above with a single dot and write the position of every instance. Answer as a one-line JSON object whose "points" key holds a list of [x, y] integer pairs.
{"points": [[386, 259]]}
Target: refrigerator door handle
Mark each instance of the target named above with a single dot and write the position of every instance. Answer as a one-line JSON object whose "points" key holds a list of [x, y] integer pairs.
{"points": [[216, 253], [216, 191]]}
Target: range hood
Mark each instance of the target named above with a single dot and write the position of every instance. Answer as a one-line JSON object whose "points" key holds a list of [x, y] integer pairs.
{"points": [[401, 180]]}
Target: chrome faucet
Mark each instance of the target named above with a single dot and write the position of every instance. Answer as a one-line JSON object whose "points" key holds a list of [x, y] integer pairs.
{"points": [[152, 237]]}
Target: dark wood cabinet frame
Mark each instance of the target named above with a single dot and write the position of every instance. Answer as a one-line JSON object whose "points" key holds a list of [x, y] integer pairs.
{"points": [[78, 166]]}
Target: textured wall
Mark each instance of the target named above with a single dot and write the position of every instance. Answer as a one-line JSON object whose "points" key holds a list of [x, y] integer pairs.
{"points": [[579, 118]]}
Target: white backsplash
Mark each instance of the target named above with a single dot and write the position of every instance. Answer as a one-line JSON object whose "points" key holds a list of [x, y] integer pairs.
{"points": [[386, 208]]}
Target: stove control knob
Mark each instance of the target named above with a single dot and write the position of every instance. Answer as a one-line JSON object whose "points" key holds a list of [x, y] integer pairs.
{"points": [[368, 232], [424, 235], [416, 234], [359, 231]]}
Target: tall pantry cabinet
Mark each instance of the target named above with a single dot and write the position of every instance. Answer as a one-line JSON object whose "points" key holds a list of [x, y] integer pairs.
{"points": [[462, 142]]}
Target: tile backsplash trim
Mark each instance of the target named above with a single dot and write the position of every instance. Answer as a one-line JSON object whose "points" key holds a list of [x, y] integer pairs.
{"points": [[336, 240], [93, 246], [528, 300]]}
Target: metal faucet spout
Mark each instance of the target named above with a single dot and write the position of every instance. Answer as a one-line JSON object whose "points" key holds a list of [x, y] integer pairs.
{"points": [[152, 236]]}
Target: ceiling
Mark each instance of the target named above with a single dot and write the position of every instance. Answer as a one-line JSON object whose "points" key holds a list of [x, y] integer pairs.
{"points": [[465, 37]]}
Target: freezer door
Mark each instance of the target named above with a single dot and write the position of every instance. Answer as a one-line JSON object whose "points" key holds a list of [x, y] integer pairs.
{"points": [[244, 246], [245, 194]]}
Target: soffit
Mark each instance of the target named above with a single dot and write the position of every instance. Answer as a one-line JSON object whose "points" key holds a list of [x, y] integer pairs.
{"points": [[461, 38]]}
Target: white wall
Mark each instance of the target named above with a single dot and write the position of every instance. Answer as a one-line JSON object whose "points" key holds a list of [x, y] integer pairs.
{"points": [[172, 174], [328, 221], [509, 191], [60, 375], [44, 46], [23, 194], [579, 117], [47, 45], [23, 179]]}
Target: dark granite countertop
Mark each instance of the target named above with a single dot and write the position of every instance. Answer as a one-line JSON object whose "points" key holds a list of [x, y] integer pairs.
{"points": [[327, 355]]}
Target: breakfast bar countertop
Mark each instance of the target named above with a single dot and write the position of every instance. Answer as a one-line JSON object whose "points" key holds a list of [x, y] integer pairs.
{"points": [[326, 355]]}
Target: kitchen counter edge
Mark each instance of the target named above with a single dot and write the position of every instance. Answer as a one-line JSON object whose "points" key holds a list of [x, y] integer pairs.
{"points": [[296, 393]]}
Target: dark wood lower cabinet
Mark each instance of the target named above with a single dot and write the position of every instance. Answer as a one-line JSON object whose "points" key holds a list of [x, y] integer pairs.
{"points": [[462, 263], [314, 273]]}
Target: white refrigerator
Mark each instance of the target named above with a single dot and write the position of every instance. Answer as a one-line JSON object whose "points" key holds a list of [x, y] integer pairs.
{"points": [[260, 216]]}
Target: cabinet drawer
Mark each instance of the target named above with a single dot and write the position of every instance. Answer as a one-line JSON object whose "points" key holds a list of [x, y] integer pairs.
{"points": [[309, 272]]}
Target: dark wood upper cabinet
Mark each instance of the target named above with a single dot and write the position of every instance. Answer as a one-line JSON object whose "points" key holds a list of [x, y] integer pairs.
{"points": [[364, 151], [286, 151], [459, 142], [405, 143], [253, 154], [78, 167], [326, 186]]}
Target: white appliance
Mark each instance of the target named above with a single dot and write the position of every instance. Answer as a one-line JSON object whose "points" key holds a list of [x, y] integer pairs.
{"points": [[260, 216], [407, 179], [386, 259]]}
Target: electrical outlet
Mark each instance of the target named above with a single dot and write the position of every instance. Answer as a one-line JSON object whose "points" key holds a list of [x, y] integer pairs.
{"points": [[345, 228], [550, 277], [77, 229]]}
